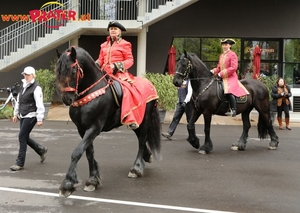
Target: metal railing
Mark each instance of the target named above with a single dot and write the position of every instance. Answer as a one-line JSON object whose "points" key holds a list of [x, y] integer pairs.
{"points": [[25, 31]]}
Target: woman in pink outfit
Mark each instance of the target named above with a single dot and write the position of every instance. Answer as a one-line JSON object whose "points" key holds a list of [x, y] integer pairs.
{"points": [[226, 69]]}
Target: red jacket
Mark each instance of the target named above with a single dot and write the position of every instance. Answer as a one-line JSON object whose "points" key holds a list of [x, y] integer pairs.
{"points": [[118, 53]]}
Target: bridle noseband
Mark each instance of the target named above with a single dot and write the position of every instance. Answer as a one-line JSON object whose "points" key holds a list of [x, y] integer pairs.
{"points": [[187, 71], [186, 74], [79, 75]]}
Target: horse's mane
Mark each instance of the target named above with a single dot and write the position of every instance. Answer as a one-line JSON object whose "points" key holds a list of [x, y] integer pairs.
{"points": [[197, 62], [63, 63]]}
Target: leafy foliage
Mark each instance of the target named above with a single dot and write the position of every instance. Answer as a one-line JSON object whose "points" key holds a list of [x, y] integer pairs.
{"points": [[165, 89], [46, 79], [7, 112], [269, 81]]}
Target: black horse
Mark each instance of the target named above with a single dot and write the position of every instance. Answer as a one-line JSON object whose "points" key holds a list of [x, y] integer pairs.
{"points": [[93, 109], [207, 100]]}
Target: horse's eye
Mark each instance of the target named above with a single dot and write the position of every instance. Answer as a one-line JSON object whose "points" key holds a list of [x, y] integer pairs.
{"points": [[67, 79]]}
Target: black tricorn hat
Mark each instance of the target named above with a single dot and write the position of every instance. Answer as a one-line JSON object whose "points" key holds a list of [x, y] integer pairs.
{"points": [[228, 41], [116, 24]]}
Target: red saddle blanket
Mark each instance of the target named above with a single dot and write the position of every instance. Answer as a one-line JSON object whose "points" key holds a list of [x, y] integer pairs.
{"points": [[135, 97]]}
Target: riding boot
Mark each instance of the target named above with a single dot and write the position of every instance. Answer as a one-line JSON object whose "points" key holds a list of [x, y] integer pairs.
{"points": [[287, 123], [280, 123], [232, 102]]}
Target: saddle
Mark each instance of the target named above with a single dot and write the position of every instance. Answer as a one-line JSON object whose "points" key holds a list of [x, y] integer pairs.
{"points": [[222, 96], [145, 89], [116, 89]]}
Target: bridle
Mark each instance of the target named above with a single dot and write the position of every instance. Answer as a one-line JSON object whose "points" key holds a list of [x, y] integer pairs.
{"points": [[79, 75], [186, 73]]}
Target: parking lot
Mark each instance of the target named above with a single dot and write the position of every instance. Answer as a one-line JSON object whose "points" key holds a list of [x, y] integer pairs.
{"points": [[256, 180]]}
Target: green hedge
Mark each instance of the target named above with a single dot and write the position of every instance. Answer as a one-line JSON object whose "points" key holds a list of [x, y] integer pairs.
{"points": [[6, 113], [165, 89]]}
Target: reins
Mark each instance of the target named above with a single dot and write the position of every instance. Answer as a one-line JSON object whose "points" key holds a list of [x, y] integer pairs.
{"points": [[187, 73], [204, 89], [80, 75]]}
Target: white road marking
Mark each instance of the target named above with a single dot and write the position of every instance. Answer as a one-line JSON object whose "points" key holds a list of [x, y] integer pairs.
{"points": [[178, 208]]}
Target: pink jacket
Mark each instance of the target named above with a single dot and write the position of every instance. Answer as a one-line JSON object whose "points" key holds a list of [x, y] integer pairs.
{"points": [[227, 66]]}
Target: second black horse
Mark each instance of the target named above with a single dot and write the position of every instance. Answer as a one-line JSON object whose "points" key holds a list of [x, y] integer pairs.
{"points": [[206, 101]]}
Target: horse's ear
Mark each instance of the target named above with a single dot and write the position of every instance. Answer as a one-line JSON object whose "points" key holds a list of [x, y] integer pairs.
{"points": [[185, 54], [73, 54], [58, 53]]}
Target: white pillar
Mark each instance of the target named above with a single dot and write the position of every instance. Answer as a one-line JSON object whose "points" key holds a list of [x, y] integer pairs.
{"points": [[141, 52], [74, 42], [74, 6], [142, 7]]}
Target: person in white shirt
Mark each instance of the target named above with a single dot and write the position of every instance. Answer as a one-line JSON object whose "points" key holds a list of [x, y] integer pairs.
{"points": [[30, 110], [183, 106]]}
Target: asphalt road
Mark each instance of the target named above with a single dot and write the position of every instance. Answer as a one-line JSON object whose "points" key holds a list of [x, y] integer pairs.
{"points": [[257, 180]]}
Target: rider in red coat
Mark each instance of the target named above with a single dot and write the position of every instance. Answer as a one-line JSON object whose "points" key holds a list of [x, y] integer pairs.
{"points": [[116, 58], [226, 69]]}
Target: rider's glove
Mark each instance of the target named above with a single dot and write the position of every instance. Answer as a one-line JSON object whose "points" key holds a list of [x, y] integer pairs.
{"points": [[115, 69]]}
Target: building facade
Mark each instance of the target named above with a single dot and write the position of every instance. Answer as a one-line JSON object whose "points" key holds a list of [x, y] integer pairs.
{"points": [[272, 23]]}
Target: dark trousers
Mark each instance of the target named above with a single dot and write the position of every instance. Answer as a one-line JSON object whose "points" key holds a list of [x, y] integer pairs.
{"points": [[178, 115], [284, 108], [26, 126]]}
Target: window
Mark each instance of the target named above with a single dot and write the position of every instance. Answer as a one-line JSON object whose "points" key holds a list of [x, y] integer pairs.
{"points": [[292, 61], [279, 56], [292, 50], [270, 49]]}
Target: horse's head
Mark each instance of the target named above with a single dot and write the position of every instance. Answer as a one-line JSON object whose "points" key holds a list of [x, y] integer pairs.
{"points": [[183, 69], [190, 66], [68, 75]]}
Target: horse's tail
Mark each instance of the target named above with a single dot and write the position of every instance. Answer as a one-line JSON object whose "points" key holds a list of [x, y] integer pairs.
{"points": [[262, 127], [153, 133]]}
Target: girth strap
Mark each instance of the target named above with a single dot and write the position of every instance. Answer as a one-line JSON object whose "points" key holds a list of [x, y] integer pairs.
{"points": [[116, 89]]}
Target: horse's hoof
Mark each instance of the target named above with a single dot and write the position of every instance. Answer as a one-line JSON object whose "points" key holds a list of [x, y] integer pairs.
{"points": [[65, 194], [132, 175], [89, 188], [150, 159], [272, 147], [203, 152], [234, 148]]}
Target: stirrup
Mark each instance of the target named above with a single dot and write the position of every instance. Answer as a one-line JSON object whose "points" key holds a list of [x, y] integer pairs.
{"points": [[233, 112], [132, 126]]}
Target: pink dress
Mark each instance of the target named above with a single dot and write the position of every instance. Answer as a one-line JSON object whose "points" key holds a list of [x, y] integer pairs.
{"points": [[227, 66]]}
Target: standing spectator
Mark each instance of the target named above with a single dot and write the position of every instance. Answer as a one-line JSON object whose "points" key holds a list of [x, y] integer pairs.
{"points": [[183, 106], [282, 92], [30, 109]]}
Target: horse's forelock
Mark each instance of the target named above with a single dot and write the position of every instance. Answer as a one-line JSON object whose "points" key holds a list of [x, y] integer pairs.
{"points": [[63, 66]]}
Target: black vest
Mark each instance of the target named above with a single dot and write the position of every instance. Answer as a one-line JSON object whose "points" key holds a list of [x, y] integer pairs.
{"points": [[26, 100]]}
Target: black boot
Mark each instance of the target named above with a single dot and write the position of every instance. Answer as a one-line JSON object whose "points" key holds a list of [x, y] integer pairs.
{"points": [[232, 102]]}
